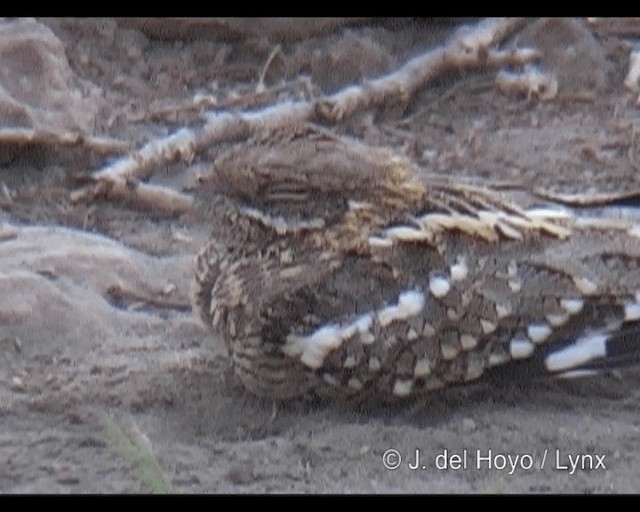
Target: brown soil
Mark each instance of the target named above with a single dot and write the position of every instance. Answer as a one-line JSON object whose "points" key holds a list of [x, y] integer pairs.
{"points": [[87, 368]]}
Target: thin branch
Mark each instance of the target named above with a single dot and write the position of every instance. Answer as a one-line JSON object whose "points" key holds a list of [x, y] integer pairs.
{"points": [[263, 72], [625, 27], [601, 199], [468, 49], [156, 199], [134, 296], [99, 145]]}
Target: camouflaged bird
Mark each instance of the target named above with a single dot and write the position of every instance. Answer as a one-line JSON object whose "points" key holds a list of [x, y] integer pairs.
{"points": [[336, 267]]}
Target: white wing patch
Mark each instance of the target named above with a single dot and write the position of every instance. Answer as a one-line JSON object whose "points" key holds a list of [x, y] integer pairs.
{"points": [[572, 306], [439, 286], [459, 270], [410, 303], [585, 349], [631, 311], [539, 332], [314, 347], [521, 348]]}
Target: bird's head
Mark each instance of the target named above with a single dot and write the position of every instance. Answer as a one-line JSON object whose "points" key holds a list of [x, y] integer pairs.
{"points": [[310, 182]]}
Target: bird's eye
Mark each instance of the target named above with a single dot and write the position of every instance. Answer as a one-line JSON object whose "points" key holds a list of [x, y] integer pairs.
{"points": [[284, 194], [306, 205], [291, 211]]}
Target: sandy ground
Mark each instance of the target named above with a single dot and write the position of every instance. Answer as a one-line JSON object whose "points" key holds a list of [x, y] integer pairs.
{"points": [[103, 392]]}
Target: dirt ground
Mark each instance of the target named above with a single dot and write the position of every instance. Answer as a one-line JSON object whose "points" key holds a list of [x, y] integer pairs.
{"points": [[101, 392]]}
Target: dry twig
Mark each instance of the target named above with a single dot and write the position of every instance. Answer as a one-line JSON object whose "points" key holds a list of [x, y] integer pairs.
{"points": [[157, 199], [98, 145], [626, 27]]}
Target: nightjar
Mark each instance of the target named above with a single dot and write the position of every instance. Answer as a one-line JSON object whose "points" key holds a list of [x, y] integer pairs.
{"points": [[338, 267]]}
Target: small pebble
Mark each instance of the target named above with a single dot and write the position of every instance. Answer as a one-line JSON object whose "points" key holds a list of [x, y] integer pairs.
{"points": [[17, 384], [468, 425]]}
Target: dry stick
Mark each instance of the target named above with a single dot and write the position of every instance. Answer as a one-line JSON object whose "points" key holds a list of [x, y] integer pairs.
{"points": [[263, 72], [249, 99], [469, 48], [624, 27], [156, 199], [122, 293], [602, 199], [100, 145]]}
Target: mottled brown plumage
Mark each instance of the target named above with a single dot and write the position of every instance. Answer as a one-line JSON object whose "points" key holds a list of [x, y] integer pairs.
{"points": [[337, 267]]}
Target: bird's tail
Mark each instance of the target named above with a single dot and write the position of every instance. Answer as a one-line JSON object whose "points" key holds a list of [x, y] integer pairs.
{"points": [[590, 354], [595, 350]]}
